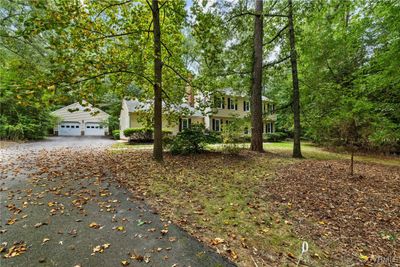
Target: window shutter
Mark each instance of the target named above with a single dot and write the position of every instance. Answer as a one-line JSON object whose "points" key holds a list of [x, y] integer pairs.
{"points": [[180, 124], [190, 123], [229, 103], [236, 104], [244, 105], [223, 102], [213, 124]]}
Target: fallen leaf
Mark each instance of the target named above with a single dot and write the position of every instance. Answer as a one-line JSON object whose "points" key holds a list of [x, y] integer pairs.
{"points": [[16, 250], [164, 231], [11, 221], [363, 257], [217, 241], [290, 255], [137, 257], [120, 228], [94, 225], [233, 254], [45, 240], [40, 224], [124, 263]]}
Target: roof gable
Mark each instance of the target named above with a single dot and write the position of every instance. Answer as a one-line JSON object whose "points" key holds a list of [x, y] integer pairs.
{"points": [[78, 111]]}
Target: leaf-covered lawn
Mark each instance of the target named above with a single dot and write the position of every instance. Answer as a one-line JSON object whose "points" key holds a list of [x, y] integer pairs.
{"points": [[247, 206]]}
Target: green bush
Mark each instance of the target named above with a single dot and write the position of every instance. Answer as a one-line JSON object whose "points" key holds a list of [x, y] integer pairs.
{"points": [[140, 135], [275, 137], [115, 134], [26, 127], [213, 137], [232, 136], [166, 132], [190, 141]]}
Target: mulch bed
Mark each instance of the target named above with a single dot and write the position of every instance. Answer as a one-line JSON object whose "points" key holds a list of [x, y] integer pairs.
{"points": [[354, 219]]}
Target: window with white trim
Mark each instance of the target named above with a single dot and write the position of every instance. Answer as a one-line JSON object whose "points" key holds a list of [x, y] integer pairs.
{"points": [[232, 103], [185, 123], [270, 108], [246, 105], [219, 102], [216, 125], [269, 127]]}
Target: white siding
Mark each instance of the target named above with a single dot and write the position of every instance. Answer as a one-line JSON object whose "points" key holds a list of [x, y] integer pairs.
{"points": [[80, 115]]}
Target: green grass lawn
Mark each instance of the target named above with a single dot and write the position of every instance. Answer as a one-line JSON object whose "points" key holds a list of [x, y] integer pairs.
{"points": [[217, 195], [309, 151]]}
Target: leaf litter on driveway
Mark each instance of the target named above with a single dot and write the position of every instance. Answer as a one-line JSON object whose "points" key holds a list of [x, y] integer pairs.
{"points": [[63, 207]]}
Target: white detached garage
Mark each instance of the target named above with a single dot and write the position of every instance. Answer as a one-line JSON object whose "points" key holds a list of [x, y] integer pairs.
{"points": [[77, 120]]}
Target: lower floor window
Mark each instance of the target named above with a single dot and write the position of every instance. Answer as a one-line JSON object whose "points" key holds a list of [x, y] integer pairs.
{"points": [[185, 123], [269, 127], [216, 125]]}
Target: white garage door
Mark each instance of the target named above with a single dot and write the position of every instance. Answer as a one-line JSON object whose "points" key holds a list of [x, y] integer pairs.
{"points": [[94, 128], [69, 128]]}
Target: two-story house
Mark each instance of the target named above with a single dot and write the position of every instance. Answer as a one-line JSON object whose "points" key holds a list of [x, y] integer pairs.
{"points": [[227, 105], [220, 108]]}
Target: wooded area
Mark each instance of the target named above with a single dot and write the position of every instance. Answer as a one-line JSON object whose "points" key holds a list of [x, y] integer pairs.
{"points": [[252, 188], [342, 63]]}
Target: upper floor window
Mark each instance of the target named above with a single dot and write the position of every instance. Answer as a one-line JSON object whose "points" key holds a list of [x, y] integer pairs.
{"points": [[246, 105], [271, 108], [232, 103], [219, 102]]}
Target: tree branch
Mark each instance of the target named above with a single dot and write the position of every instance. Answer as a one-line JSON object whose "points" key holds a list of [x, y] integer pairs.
{"points": [[148, 3], [177, 73], [148, 30], [275, 15], [276, 62], [111, 5], [115, 35], [240, 14], [11, 50], [166, 48], [112, 72], [277, 35], [163, 4]]}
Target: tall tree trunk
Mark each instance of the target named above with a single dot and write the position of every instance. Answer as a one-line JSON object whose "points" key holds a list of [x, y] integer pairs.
{"points": [[256, 86], [157, 147], [296, 93]]}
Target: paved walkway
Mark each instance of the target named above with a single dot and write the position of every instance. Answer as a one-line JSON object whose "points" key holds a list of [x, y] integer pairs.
{"points": [[60, 208]]}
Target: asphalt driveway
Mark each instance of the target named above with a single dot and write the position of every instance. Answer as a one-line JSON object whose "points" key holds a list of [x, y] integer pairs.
{"points": [[60, 207]]}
